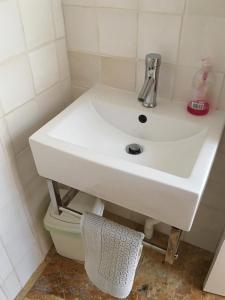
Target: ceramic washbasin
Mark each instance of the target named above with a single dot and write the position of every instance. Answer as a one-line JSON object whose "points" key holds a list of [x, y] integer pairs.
{"points": [[85, 147]]}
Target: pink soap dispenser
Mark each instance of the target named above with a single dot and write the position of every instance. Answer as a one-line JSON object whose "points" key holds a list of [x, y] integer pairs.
{"points": [[199, 104]]}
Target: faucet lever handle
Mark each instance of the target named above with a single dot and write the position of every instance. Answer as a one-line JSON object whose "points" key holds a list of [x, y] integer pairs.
{"points": [[153, 60]]}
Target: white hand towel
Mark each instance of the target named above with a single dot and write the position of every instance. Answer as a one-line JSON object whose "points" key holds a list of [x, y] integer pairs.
{"points": [[112, 252]]}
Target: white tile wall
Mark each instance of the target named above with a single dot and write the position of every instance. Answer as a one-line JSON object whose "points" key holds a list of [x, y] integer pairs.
{"points": [[44, 65], [11, 33], [117, 32], [34, 86], [58, 19], [85, 18], [153, 26], [16, 73], [167, 6], [108, 41], [37, 21]]}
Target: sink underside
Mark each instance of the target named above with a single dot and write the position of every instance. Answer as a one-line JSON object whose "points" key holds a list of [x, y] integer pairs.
{"points": [[85, 148]]}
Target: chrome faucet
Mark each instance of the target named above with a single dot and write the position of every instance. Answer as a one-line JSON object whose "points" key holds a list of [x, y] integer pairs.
{"points": [[148, 92]]}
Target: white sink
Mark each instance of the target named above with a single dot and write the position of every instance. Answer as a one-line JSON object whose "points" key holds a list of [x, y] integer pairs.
{"points": [[85, 147]]}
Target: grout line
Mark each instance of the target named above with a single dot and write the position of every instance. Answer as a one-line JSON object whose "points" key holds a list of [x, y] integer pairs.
{"points": [[11, 262], [125, 9]]}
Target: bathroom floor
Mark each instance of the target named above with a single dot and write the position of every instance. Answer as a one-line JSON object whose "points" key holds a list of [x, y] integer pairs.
{"points": [[65, 279]]}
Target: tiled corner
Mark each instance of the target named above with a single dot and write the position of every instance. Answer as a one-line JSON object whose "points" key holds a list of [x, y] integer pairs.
{"points": [[44, 65], [37, 21], [77, 91], [16, 73], [85, 68], [62, 54]]}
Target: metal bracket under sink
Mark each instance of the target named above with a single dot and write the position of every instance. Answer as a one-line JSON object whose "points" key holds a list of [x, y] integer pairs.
{"points": [[60, 205]]}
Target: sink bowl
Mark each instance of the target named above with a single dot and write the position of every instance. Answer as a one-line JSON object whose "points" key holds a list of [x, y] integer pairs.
{"points": [[85, 147]]}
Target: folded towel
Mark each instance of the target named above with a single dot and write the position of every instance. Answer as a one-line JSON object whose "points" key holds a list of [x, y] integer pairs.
{"points": [[112, 252]]}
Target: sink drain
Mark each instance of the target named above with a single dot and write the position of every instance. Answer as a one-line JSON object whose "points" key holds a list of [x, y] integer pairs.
{"points": [[134, 149]]}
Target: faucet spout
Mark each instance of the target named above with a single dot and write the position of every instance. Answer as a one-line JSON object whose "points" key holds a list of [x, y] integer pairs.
{"points": [[148, 92], [144, 94]]}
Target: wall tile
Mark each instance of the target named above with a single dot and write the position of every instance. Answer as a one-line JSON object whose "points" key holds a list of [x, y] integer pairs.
{"points": [[7, 149], [50, 102], [44, 65], [64, 71], [171, 6], [85, 69], [38, 201], [21, 213], [11, 34], [206, 7], [37, 21], [78, 91], [81, 28], [6, 266], [11, 286], [28, 264], [58, 18], [117, 32], [26, 166], [79, 2], [66, 89], [118, 73], [201, 37], [183, 86], [22, 123], [166, 79], [153, 26], [8, 191], [2, 295], [16, 73], [128, 4]]}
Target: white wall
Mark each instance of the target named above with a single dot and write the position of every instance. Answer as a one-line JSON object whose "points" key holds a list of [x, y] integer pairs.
{"points": [[34, 86], [107, 42]]}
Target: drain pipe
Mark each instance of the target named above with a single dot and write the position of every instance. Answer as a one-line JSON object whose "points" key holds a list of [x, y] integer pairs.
{"points": [[149, 227]]}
